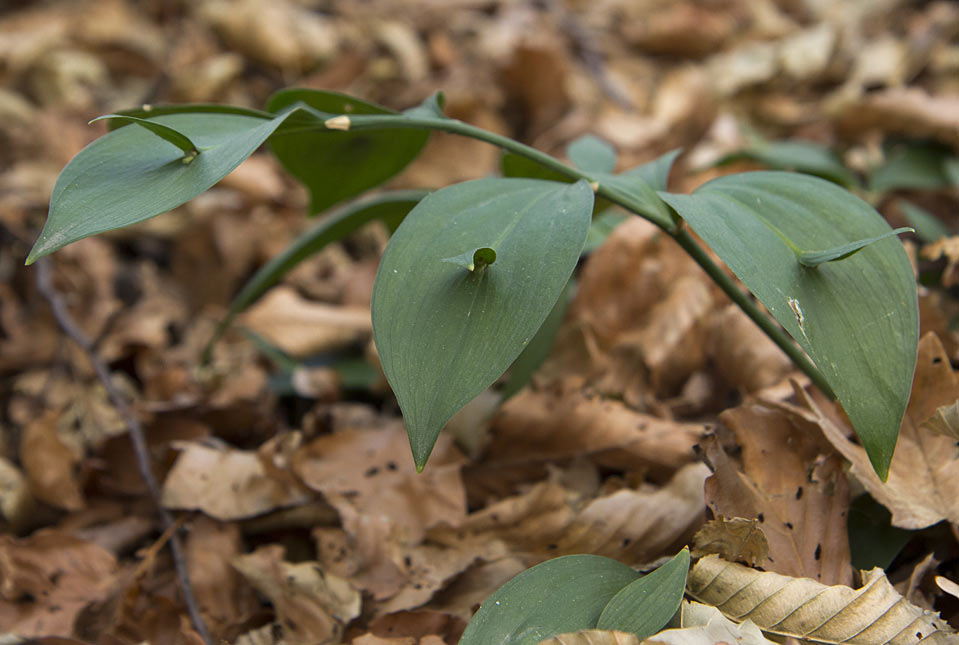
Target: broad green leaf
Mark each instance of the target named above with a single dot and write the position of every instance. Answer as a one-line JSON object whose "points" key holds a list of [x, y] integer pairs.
{"points": [[561, 595], [815, 258], [390, 207], [802, 156], [645, 606], [929, 228], [533, 355], [165, 132], [856, 319], [445, 333], [873, 540], [640, 184], [592, 154], [131, 174], [337, 165], [514, 165], [914, 165]]}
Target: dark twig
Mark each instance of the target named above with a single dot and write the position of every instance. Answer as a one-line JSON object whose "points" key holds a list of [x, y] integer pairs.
{"points": [[44, 282]]}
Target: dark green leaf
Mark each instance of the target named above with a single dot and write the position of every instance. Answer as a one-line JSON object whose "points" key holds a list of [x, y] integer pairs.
{"points": [[915, 166], [561, 595], [645, 606], [445, 334], [856, 319], [333, 227], [475, 260], [843, 251], [656, 172], [165, 132], [929, 228], [337, 165], [873, 540], [592, 154], [801, 156], [130, 174], [514, 165]]}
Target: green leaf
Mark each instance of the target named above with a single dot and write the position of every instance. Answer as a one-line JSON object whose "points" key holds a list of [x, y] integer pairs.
{"points": [[843, 251], [802, 156], [856, 319], [645, 606], [592, 154], [443, 333], [915, 166], [560, 595], [655, 172], [873, 540], [929, 228], [475, 260], [391, 207], [336, 165], [514, 165], [165, 132], [151, 111], [130, 174]]}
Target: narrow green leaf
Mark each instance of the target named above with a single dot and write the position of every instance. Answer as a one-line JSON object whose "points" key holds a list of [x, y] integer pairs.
{"points": [[645, 606], [857, 320], [390, 207], [445, 334], [165, 132], [592, 154], [873, 540], [560, 595], [337, 165], [130, 174], [802, 156], [929, 228], [843, 251], [514, 165]]}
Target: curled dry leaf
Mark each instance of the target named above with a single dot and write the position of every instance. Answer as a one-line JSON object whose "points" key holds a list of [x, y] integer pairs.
{"points": [[924, 473], [592, 637], [312, 605], [226, 484], [945, 421], [734, 539], [705, 625], [804, 608]]}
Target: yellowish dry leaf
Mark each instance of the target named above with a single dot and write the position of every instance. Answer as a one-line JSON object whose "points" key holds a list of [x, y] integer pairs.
{"points": [[735, 539], [592, 637], [705, 625], [804, 608], [948, 586]]}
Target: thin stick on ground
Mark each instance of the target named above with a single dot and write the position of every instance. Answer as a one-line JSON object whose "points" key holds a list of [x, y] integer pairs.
{"points": [[44, 282]]}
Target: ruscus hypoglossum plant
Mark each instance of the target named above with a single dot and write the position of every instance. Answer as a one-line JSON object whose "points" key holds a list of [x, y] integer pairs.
{"points": [[473, 269]]}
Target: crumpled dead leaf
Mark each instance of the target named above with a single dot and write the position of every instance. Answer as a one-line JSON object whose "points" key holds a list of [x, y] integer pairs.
{"points": [[804, 608], [312, 605], [945, 421], [592, 637], [705, 625], [735, 539], [50, 464]]}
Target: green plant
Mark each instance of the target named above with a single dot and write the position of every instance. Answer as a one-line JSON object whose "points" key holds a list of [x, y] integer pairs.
{"points": [[475, 268]]}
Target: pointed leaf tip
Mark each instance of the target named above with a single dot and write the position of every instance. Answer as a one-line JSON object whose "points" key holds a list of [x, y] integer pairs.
{"points": [[815, 258], [165, 132]]}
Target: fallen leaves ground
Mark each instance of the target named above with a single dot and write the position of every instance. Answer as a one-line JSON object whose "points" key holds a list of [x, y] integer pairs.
{"points": [[303, 518]]}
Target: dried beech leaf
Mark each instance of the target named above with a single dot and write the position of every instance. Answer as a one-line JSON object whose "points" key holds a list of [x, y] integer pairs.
{"points": [[705, 625], [733, 538], [592, 637], [945, 421], [804, 608]]}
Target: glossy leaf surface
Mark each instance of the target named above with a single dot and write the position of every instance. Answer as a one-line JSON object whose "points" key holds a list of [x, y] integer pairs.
{"points": [[562, 595], [131, 174], [336, 165], [445, 333], [645, 606], [856, 319]]}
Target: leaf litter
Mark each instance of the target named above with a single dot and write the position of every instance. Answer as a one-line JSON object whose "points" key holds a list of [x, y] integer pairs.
{"points": [[302, 516]]}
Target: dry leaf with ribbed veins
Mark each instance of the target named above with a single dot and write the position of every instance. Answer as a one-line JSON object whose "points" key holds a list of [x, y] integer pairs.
{"points": [[803, 608], [311, 605], [734, 538], [226, 484], [924, 473], [705, 625], [790, 480], [945, 421], [592, 637]]}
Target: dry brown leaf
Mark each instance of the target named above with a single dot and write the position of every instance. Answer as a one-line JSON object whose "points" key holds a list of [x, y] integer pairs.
{"points": [[50, 464], [743, 354], [911, 111], [312, 605], [300, 327], [792, 482], [16, 500], [945, 421], [705, 625], [924, 473], [592, 637], [226, 484], [736, 539], [47, 579], [804, 608]]}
